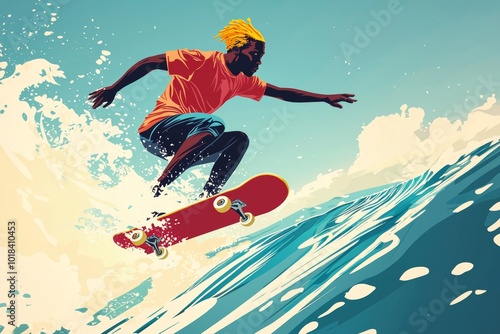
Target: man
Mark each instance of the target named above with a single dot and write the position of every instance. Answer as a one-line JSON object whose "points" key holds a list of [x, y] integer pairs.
{"points": [[181, 123]]}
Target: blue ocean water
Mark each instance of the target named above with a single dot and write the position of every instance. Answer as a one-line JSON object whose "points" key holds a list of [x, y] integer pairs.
{"points": [[338, 267]]}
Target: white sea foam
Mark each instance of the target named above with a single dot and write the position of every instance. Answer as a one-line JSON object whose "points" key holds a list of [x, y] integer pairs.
{"points": [[334, 307], [494, 226], [414, 273], [462, 268], [359, 291], [496, 239], [495, 207], [291, 294], [310, 327], [483, 189], [461, 298], [463, 206]]}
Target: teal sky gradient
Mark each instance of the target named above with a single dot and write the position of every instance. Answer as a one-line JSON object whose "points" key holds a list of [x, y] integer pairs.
{"points": [[427, 54]]}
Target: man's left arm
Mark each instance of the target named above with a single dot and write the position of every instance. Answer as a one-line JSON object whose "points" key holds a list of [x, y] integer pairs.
{"points": [[296, 95]]}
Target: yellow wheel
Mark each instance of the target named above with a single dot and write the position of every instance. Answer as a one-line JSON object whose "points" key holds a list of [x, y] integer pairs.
{"points": [[164, 253], [249, 221], [138, 237], [222, 204]]}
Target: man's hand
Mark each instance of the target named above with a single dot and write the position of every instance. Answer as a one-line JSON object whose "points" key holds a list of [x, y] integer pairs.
{"points": [[104, 95], [334, 99], [296, 95]]}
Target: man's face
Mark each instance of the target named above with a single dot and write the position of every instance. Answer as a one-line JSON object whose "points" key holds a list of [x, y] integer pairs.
{"points": [[250, 57]]}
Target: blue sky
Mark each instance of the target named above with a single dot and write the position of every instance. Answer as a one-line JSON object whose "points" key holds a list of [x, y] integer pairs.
{"points": [[422, 53]]}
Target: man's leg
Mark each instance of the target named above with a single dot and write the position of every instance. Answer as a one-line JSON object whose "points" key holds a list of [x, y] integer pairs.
{"points": [[183, 136], [227, 152], [197, 139], [189, 151]]}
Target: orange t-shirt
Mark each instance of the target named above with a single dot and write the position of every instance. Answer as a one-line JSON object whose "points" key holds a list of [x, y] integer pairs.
{"points": [[201, 82]]}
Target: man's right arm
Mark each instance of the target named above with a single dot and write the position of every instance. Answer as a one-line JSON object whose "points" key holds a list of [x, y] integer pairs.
{"points": [[106, 95], [140, 69]]}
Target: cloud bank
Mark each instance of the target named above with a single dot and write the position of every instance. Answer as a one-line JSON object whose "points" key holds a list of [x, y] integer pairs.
{"points": [[398, 147]]}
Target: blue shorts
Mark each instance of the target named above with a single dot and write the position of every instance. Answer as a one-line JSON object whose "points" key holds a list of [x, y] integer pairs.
{"points": [[164, 138]]}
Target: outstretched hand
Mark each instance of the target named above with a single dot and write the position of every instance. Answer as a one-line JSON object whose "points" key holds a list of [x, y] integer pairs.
{"points": [[334, 99], [104, 95]]}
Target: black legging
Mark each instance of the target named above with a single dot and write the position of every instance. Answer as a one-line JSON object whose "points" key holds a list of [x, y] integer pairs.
{"points": [[225, 149]]}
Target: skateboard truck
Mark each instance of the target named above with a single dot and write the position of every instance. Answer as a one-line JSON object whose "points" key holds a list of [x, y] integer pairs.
{"points": [[223, 204], [238, 205], [153, 242], [140, 237]]}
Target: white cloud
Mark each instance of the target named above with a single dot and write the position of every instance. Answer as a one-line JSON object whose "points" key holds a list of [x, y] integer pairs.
{"points": [[386, 140], [399, 147]]}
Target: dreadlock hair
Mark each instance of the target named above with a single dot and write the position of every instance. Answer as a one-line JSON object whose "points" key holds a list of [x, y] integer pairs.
{"points": [[238, 33]]}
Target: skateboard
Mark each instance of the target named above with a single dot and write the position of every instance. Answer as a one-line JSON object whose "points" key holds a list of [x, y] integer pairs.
{"points": [[258, 195]]}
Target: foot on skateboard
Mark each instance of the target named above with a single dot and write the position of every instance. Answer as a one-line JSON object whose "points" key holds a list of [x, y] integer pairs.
{"points": [[157, 190]]}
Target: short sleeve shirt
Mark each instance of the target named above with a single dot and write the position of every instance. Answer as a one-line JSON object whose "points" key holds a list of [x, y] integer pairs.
{"points": [[201, 82]]}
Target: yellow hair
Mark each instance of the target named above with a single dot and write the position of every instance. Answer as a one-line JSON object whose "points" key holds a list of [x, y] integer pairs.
{"points": [[238, 32]]}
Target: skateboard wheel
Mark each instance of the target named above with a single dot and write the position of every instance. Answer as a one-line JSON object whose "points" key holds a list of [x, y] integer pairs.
{"points": [[138, 237], [222, 204], [164, 253], [249, 221]]}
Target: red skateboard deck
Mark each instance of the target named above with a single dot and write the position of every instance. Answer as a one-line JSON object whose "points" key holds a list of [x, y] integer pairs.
{"points": [[260, 194]]}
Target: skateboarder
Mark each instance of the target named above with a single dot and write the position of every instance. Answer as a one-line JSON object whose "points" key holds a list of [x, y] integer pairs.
{"points": [[182, 125]]}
